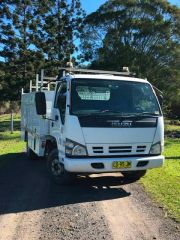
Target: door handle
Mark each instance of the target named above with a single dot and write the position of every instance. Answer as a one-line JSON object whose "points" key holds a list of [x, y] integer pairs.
{"points": [[56, 118]]}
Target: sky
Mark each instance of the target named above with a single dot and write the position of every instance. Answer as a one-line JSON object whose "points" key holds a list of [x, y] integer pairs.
{"points": [[92, 5]]}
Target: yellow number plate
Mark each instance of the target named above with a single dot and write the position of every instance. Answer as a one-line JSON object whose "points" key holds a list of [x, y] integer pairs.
{"points": [[124, 164]]}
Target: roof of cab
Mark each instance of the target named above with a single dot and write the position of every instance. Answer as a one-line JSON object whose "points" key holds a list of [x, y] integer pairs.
{"points": [[126, 75], [107, 77]]}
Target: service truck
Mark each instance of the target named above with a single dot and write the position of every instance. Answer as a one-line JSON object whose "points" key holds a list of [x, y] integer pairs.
{"points": [[93, 122]]}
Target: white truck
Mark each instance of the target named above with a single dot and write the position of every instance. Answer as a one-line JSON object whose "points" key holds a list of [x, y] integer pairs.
{"points": [[93, 122]]}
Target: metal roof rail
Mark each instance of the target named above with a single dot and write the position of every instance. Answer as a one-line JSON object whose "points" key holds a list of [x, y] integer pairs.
{"points": [[42, 82], [64, 71], [45, 82]]}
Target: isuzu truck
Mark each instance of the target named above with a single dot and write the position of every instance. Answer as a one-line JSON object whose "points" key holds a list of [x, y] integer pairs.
{"points": [[90, 121]]}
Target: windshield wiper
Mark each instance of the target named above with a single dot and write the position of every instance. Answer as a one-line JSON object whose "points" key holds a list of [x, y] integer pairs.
{"points": [[130, 114], [118, 113], [114, 113], [95, 112], [148, 114]]}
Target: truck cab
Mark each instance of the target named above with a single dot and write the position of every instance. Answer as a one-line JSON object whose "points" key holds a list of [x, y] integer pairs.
{"points": [[101, 122]]}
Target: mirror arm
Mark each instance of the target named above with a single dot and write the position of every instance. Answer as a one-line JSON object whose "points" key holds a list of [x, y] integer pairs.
{"points": [[156, 89]]}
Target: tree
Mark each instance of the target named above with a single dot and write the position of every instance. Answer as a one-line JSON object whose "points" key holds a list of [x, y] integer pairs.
{"points": [[34, 35], [143, 35], [18, 24], [60, 25]]}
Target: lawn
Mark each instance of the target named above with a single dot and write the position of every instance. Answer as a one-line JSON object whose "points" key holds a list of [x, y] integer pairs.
{"points": [[9, 143], [172, 130], [163, 183]]}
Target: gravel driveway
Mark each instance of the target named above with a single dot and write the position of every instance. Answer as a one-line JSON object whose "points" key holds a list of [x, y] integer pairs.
{"points": [[97, 207]]}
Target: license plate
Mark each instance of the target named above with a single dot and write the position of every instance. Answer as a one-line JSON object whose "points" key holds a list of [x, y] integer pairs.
{"points": [[122, 164]]}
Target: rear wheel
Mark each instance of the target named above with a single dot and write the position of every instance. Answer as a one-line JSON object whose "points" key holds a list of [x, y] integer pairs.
{"points": [[134, 175], [56, 169]]}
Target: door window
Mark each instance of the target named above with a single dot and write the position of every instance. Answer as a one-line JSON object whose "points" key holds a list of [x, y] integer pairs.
{"points": [[61, 100]]}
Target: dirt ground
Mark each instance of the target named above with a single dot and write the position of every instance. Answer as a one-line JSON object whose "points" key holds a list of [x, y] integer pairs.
{"points": [[97, 207]]}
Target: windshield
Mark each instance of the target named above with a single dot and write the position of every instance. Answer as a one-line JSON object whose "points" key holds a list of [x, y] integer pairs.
{"points": [[112, 97]]}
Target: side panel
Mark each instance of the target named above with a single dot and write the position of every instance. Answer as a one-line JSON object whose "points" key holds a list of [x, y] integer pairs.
{"points": [[35, 126]]}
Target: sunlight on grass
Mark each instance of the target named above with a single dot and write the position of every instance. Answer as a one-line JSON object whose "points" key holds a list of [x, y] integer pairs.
{"points": [[164, 183], [9, 143]]}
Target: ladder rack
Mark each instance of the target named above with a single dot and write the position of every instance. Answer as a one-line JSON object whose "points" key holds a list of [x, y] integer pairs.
{"points": [[49, 81], [41, 81]]}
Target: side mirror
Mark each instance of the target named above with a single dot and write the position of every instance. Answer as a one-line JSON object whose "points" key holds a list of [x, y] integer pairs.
{"points": [[40, 100]]}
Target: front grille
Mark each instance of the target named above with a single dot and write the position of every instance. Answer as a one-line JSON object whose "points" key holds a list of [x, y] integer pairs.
{"points": [[120, 149], [116, 149], [98, 150], [141, 149]]}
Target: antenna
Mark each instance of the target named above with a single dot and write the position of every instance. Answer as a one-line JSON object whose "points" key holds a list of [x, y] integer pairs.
{"points": [[126, 69], [70, 63]]}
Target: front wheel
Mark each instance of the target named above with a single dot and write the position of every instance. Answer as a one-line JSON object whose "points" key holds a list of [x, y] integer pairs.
{"points": [[134, 175], [56, 169]]}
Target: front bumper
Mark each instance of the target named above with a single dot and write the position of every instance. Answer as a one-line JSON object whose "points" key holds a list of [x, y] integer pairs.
{"points": [[84, 165]]}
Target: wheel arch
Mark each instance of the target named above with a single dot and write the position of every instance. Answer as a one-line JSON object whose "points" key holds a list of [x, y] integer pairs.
{"points": [[51, 143]]}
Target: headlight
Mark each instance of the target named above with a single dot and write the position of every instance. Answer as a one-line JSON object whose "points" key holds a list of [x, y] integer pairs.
{"points": [[156, 149], [74, 149]]}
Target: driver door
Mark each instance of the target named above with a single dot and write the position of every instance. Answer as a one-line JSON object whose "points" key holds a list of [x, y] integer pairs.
{"points": [[57, 127]]}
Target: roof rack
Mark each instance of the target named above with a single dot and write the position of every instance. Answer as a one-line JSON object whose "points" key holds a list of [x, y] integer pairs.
{"points": [[44, 82], [64, 71]]}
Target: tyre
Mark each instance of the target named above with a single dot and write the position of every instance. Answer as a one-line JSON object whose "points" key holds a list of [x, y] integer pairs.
{"points": [[57, 171], [133, 175], [48, 150]]}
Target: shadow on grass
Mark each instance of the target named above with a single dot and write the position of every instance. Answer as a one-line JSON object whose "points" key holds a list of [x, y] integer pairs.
{"points": [[173, 157], [4, 137], [168, 143], [25, 186], [5, 125]]}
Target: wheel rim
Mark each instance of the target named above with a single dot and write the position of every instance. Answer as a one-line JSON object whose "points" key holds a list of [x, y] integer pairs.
{"points": [[56, 167]]}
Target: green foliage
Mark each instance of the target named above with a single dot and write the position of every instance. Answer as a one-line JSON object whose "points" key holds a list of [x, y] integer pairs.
{"points": [[33, 35], [60, 23], [143, 35], [22, 62]]}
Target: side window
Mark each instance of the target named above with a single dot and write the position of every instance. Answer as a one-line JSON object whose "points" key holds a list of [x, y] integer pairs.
{"points": [[143, 100], [61, 100]]}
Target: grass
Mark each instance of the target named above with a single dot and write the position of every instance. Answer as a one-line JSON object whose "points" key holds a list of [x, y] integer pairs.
{"points": [[5, 122], [172, 130], [9, 143], [163, 183]]}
